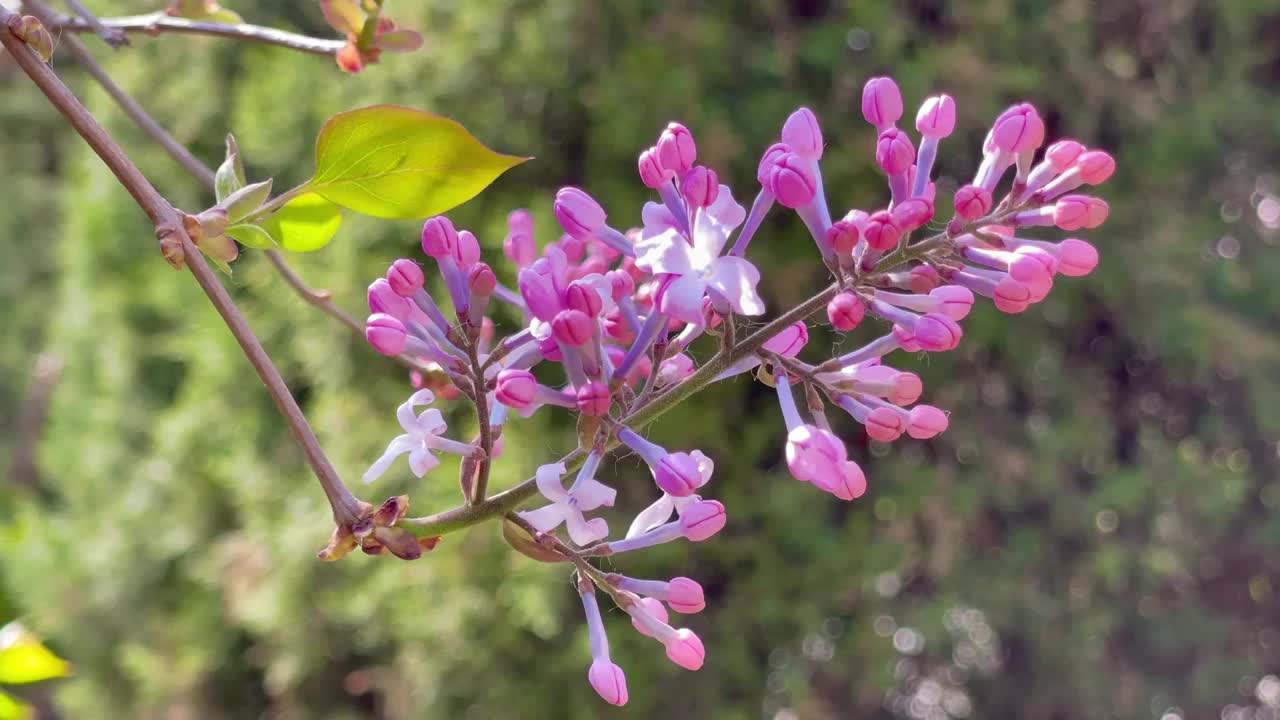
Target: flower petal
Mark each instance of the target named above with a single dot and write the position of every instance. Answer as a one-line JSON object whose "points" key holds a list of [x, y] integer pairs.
{"points": [[706, 465], [583, 531], [736, 279], [431, 422], [422, 460], [549, 484], [652, 516], [665, 253], [714, 223], [545, 519], [682, 298], [592, 493], [397, 447], [405, 414], [656, 219]]}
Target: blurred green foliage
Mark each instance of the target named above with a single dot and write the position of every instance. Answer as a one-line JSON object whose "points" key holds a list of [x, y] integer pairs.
{"points": [[1096, 536]]}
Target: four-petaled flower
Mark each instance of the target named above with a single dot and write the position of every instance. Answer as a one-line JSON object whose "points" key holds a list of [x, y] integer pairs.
{"points": [[586, 494], [421, 436], [660, 511]]}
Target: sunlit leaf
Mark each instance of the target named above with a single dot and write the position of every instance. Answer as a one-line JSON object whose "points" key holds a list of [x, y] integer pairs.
{"points": [[23, 659], [396, 162], [305, 223], [253, 236], [11, 709], [230, 176], [345, 16], [244, 201]]}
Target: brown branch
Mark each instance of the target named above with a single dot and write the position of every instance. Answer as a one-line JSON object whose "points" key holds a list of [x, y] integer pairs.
{"points": [[160, 23], [35, 408], [114, 37], [170, 231]]}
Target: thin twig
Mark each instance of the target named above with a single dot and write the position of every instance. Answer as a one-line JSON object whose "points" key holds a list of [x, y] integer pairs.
{"points": [[169, 229], [115, 37], [160, 23], [35, 408], [481, 401]]}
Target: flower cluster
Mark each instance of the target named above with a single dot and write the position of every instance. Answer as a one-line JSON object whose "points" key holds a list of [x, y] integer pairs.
{"points": [[616, 309]]}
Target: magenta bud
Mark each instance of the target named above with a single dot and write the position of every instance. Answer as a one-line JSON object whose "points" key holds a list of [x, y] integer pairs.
{"points": [[572, 327], [383, 299], [609, 682], [802, 133], [467, 250], [405, 277], [1011, 296], [790, 340], [881, 102], [702, 520], [936, 332], [768, 160], [593, 398], [582, 298], [880, 232], [653, 607], [685, 596], [925, 422], [676, 150], [677, 474], [516, 388], [652, 174], [937, 117], [439, 238], [572, 247], [884, 424], [906, 389], [845, 311], [912, 213], [1076, 257], [700, 186], [842, 236], [685, 650], [894, 152], [520, 221], [792, 181], [1095, 166], [922, 279], [539, 294], [578, 213], [1072, 212], [1018, 129], [549, 350], [520, 248], [385, 333], [1063, 154], [971, 202], [621, 284], [481, 280], [953, 301]]}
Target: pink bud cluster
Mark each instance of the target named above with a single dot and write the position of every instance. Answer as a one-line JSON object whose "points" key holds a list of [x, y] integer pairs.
{"points": [[608, 316]]}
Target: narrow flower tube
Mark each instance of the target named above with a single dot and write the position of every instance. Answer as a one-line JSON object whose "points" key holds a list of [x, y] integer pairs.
{"points": [[606, 678]]}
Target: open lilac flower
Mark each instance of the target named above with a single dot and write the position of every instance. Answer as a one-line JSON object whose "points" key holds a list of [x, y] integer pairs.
{"points": [[698, 266], [422, 435], [567, 506]]}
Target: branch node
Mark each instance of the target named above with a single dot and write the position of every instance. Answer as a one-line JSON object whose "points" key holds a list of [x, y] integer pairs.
{"points": [[171, 246]]}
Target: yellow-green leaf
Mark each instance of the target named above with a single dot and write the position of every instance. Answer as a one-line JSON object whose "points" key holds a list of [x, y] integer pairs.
{"points": [[11, 709], [396, 162], [24, 660], [253, 236], [305, 223]]}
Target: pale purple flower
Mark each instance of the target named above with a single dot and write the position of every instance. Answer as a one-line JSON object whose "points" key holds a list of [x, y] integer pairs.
{"points": [[567, 506], [422, 435], [661, 510]]}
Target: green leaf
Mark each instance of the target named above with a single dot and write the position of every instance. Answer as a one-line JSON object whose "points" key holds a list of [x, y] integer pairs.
{"points": [[245, 200], [230, 176], [11, 709], [396, 162], [253, 236], [305, 223], [345, 16], [24, 660]]}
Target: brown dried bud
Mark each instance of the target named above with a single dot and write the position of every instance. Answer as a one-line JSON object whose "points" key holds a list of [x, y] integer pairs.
{"points": [[340, 543], [30, 30]]}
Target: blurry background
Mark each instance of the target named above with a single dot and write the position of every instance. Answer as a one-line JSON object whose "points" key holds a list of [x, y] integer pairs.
{"points": [[1097, 535]]}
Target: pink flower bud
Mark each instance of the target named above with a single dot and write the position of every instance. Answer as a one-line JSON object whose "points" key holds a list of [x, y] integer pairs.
{"points": [[382, 299], [935, 332], [881, 102], [571, 327], [1063, 154], [849, 483], [616, 327], [652, 174], [884, 424], [922, 279], [539, 294], [608, 681], [685, 649], [905, 339], [621, 284], [791, 180], [1018, 129], [972, 202], [676, 150], [1098, 212], [894, 152], [675, 368], [842, 236], [578, 213], [802, 133], [467, 250], [516, 388], [572, 247], [677, 474], [925, 422], [845, 311], [880, 232], [583, 298], [520, 222], [769, 159], [814, 455], [1072, 212], [405, 277], [385, 333], [1095, 167], [1011, 296], [481, 280], [906, 389], [1076, 257], [549, 350], [702, 520], [653, 607], [912, 213], [438, 237], [789, 341], [937, 117], [953, 301], [593, 398], [701, 186], [685, 596], [520, 248]]}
